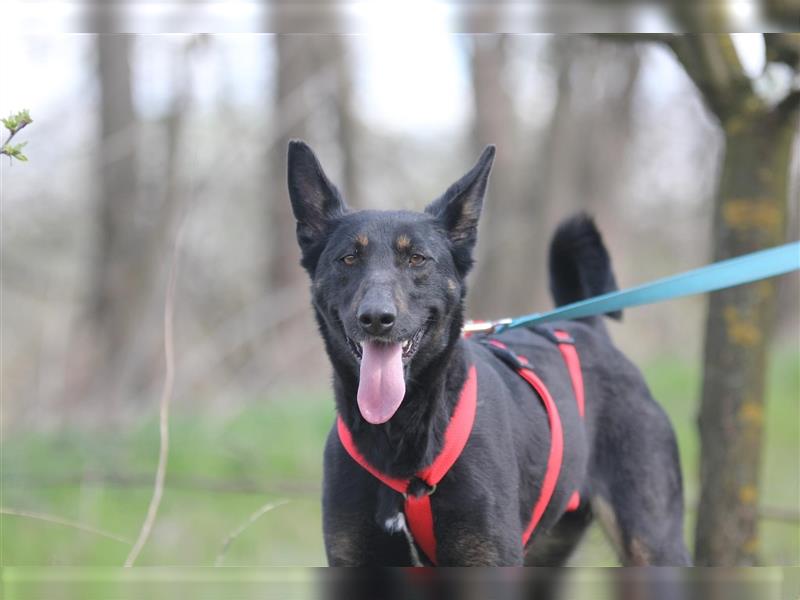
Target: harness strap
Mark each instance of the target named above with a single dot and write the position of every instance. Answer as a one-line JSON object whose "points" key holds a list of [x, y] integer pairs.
{"points": [[418, 511], [556, 455], [566, 345], [346, 438], [556, 451], [457, 432], [419, 514]]}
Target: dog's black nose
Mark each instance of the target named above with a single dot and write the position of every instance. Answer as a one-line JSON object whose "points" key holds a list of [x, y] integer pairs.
{"points": [[377, 318]]}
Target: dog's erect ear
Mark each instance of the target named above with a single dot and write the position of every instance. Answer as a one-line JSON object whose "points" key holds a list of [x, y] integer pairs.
{"points": [[315, 200], [459, 208]]}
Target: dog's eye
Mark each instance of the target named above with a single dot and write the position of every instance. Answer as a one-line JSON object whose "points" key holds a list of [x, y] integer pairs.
{"points": [[349, 260], [416, 260]]}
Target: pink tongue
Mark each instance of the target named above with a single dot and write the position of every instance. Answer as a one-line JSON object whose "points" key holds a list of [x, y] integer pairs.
{"points": [[381, 385]]}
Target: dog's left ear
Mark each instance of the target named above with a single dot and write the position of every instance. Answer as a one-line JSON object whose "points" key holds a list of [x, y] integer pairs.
{"points": [[459, 208]]}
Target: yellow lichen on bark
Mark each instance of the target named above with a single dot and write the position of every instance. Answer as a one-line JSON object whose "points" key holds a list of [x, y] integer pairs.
{"points": [[765, 289], [751, 413], [741, 330], [751, 546], [748, 213], [748, 494]]}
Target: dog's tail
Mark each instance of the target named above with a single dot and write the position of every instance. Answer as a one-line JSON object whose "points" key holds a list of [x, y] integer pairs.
{"points": [[579, 263]]}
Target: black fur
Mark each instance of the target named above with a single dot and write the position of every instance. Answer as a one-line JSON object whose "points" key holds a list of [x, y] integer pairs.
{"points": [[622, 457]]}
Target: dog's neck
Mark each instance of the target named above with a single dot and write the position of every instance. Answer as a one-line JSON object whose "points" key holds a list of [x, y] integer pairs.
{"points": [[410, 440]]}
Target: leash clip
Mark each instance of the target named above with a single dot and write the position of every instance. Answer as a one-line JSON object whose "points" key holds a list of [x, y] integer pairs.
{"points": [[473, 327]]}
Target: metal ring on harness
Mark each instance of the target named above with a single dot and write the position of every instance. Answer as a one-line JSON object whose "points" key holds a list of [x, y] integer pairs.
{"points": [[428, 492]]}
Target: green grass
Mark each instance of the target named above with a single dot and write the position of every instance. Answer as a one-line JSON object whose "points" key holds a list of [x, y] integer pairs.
{"points": [[676, 384], [222, 470]]}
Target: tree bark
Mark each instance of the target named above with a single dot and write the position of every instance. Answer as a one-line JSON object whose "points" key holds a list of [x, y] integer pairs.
{"points": [[115, 347], [348, 124], [497, 284], [311, 94], [294, 63], [586, 152], [117, 274], [312, 77], [750, 214]]}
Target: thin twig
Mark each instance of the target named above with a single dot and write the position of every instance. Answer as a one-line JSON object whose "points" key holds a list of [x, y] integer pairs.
{"points": [[166, 394], [239, 530], [11, 136], [61, 521], [779, 513], [765, 513], [293, 487], [14, 132]]}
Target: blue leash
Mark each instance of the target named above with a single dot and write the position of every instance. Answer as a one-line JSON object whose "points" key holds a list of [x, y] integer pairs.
{"points": [[724, 274]]}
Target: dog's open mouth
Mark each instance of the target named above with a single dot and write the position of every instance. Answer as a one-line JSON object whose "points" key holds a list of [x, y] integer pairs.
{"points": [[381, 380], [409, 346]]}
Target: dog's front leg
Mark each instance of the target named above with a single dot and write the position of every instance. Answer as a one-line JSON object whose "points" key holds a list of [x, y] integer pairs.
{"points": [[350, 540], [353, 535], [355, 540], [463, 542]]}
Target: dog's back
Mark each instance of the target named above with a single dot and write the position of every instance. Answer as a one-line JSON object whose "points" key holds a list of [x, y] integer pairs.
{"points": [[610, 454], [580, 268]]}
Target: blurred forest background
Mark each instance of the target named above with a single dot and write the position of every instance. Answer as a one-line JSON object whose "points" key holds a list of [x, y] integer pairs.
{"points": [[149, 151]]}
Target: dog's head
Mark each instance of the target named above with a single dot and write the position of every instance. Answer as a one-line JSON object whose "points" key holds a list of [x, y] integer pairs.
{"points": [[387, 286]]}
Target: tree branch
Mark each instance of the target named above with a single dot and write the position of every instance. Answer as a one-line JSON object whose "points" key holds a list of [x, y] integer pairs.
{"points": [[239, 530], [166, 394], [711, 62], [61, 521], [789, 105]]}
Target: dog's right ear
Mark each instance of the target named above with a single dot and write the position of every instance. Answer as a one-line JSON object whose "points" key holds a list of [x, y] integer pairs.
{"points": [[315, 200]]}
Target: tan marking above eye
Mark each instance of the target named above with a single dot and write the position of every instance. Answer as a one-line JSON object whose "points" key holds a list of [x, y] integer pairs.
{"points": [[362, 239], [403, 242]]}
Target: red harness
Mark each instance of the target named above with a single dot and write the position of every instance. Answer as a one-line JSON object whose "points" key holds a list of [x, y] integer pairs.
{"points": [[418, 512]]}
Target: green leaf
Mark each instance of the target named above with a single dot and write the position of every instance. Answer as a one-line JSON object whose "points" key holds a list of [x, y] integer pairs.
{"points": [[15, 151], [15, 122]]}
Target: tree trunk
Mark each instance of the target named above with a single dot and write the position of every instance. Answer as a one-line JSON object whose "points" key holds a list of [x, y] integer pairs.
{"points": [[348, 125], [311, 102], [116, 273], [586, 153], [497, 284], [750, 214], [312, 78], [116, 342]]}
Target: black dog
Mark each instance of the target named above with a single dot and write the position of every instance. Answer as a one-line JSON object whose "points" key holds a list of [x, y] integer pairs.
{"points": [[388, 290]]}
